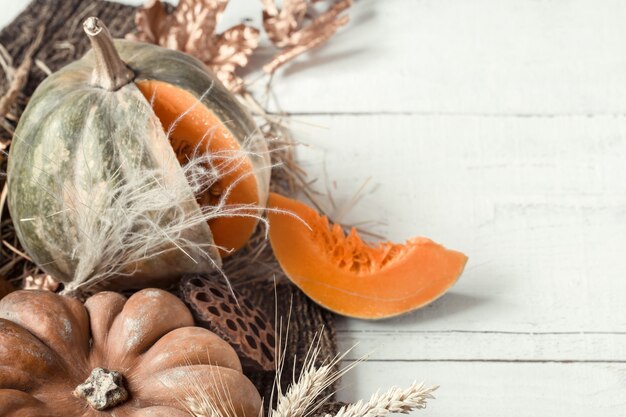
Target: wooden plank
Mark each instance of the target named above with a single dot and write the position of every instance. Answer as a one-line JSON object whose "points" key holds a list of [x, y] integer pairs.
{"points": [[485, 57], [458, 57], [538, 204], [501, 389], [483, 346]]}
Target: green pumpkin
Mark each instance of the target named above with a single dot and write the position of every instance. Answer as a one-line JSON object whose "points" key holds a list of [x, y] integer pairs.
{"points": [[91, 157]]}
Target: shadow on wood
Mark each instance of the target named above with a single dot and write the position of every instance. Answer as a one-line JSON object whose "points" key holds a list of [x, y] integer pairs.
{"points": [[448, 305]]}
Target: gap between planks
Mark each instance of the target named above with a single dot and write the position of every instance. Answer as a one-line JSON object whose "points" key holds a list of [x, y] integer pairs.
{"points": [[373, 331], [564, 361], [447, 114], [446, 346]]}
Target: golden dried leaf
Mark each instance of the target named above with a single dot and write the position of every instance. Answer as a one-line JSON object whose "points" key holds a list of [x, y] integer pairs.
{"points": [[289, 28], [191, 28], [280, 24], [233, 49], [235, 45], [150, 19]]}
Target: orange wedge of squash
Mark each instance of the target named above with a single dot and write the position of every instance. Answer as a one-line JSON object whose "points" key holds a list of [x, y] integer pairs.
{"points": [[189, 121], [350, 277]]}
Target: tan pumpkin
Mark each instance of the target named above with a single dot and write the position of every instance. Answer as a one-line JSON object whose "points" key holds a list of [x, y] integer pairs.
{"points": [[113, 357]]}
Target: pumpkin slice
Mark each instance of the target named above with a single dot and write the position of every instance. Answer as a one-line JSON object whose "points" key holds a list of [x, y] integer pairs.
{"points": [[353, 278], [195, 128]]}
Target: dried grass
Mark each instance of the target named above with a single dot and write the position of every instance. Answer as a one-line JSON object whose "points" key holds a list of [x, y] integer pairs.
{"points": [[17, 76], [14, 265]]}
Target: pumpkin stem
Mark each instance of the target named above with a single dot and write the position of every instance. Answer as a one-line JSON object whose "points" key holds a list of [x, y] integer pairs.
{"points": [[110, 72], [103, 389]]}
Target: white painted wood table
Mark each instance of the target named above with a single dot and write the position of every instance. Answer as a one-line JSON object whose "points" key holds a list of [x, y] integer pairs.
{"points": [[497, 128]]}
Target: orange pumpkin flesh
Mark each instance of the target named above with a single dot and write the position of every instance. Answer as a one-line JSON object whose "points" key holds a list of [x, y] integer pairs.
{"points": [[197, 129], [350, 277]]}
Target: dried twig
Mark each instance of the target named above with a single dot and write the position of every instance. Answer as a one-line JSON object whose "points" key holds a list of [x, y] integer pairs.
{"points": [[6, 62], [16, 250], [19, 77], [3, 197], [43, 67]]}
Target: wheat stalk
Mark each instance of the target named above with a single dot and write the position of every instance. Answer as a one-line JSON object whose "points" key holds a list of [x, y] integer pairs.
{"points": [[396, 400], [303, 396]]}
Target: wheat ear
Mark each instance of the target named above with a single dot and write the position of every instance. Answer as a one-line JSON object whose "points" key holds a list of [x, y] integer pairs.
{"points": [[396, 400], [302, 398]]}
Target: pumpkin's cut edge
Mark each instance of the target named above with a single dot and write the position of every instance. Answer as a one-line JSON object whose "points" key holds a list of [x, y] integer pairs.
{"points": [[422, 268], [194, 129]]}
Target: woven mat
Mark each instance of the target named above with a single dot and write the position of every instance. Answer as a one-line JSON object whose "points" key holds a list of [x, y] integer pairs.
{"points": [[64, 41]]}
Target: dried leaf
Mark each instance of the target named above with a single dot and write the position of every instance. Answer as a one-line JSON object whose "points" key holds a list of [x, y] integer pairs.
{"points": [[233, 49], [290, 29], [149, 19], [280, 24], [191, 28]]}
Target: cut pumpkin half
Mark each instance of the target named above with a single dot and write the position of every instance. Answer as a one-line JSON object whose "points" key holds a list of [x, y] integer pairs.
{"points": [[350, 277], [194, 128]]}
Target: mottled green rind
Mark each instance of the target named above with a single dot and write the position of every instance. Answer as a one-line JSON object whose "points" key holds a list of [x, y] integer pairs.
{"points": [[73, 139]]}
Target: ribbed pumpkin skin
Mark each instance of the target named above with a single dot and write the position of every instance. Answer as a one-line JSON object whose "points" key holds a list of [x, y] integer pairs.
{"points": [[73, 139], [49, 344]]}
